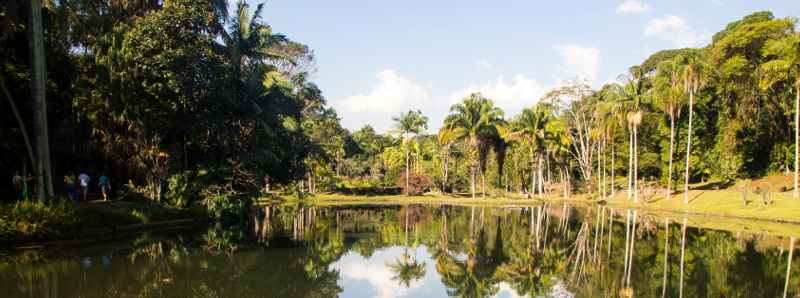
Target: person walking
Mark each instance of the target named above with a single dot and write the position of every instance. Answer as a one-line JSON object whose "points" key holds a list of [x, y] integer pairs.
{"points": [[105, 186], [16, 181], [84, 179], [69, 180]]}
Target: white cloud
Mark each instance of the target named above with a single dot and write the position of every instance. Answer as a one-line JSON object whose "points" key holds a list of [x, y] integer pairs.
{"points": [[485, 64], [511, 96], [579, 61], [673, 29], [632, 6], [391, 95]]}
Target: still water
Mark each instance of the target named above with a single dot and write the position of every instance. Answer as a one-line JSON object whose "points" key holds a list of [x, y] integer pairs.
{"points": [[552, 250]]}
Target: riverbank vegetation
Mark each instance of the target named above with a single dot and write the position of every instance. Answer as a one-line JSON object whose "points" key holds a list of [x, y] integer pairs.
{"points": [[185, 104]]}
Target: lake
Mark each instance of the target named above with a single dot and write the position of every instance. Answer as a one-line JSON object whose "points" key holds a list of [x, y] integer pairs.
{"points": [[552, 250]]}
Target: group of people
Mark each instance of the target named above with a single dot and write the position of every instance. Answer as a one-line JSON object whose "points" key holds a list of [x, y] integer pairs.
{"points": [[76, 186]]}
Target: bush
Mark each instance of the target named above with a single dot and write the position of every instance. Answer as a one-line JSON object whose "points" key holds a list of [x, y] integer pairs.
{"points": [[180, 191], [227, 206], [36, 221], [370, 191], [417, 184]]}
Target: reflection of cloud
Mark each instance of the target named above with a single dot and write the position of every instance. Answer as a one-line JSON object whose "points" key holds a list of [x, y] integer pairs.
{"points": [[505, 290], [375, 271]]}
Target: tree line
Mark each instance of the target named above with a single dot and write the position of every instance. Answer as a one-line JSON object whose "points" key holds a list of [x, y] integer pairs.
{"points": [[180, 100], [722, 112], [175, 99]]}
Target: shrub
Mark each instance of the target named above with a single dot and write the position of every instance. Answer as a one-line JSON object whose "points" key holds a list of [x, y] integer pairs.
{"points": [[181, 191], [417, 184], [226, 205], [36, 221]]}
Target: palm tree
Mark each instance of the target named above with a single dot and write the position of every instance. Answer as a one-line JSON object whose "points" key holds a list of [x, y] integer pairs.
{"points": [[669, 98], [693, 77], [559, 142], [785, 66], [446, 138], [530, 126], [633, 94], [251, 42], [474, 120], [406, 124]]}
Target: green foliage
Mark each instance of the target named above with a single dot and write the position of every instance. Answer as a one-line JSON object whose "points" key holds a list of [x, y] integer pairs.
{"points": [[180, 189], [28, 220]]}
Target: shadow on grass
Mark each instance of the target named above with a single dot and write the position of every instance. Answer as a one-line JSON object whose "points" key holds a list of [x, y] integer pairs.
{"points": [[717, 185]]}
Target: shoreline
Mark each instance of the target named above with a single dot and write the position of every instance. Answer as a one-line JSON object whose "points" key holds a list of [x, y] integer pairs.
{"points": [[720, 210], [111, 233]]}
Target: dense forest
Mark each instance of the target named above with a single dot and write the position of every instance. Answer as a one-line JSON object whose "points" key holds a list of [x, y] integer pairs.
{"points": [[181, 101]]}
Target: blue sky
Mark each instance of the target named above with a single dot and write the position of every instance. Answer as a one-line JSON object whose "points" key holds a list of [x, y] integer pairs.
{"points": [[376, 59]]}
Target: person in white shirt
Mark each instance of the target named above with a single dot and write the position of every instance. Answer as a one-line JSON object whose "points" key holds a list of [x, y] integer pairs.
{"points": [[84, 179]]}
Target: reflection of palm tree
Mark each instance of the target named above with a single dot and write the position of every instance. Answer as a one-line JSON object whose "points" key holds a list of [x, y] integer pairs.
{"points": [[407, 269]]}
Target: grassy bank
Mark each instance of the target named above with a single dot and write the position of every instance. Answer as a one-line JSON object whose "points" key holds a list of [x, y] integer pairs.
{"points": [[713, 209], [26, 222]]}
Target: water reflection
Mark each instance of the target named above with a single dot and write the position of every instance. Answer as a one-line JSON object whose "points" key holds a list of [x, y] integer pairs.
{"points": [[552, 250]]}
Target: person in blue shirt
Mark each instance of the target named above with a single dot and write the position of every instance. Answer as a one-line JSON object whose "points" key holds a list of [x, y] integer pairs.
{"points": [[105, 186]]}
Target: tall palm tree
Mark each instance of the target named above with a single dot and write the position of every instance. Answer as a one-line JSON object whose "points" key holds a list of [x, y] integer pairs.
{"points": [[633, 94], [474, 120], [559, 143], [446, 139], [669, 98], [408, 124], [250, 42], [529, 127], [693, 76], [785, 66], [611, 113]]}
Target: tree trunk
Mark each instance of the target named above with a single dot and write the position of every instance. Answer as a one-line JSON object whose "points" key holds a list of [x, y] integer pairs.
{"points": [[407, 169], [533, 175], [44, 181], [613, 165], [541, 179], [483, 181], [605, 168], [633, 241], [671, 151], [599, 173], [22, 129], [688, 151], [683, 250], [666, 255], [627, 247], [796, 192], [636, 163], [630, 162], [444, 178], [472, 179], [789, 267]]}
